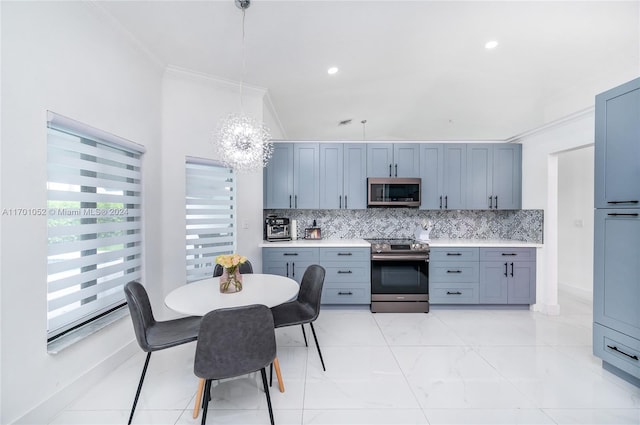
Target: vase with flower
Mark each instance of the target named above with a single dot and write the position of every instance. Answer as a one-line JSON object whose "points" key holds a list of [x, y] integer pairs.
{"points": [[231, 279]]}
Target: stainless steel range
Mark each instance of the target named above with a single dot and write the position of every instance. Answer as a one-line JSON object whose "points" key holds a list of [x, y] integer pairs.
{"points": [[399, 276]]}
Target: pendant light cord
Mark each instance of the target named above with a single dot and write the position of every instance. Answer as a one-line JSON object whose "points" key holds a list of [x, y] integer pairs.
{"points": [[243, 64]]}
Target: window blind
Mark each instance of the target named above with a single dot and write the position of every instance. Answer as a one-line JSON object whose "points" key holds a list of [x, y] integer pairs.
{"points": [[210, 215], [94, 223]]}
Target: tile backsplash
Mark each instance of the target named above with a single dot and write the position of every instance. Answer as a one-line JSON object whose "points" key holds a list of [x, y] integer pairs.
{"points": [[522, 225]]}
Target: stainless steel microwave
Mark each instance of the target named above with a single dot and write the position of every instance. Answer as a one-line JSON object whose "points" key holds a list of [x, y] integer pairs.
{"points": [[393, 192]]}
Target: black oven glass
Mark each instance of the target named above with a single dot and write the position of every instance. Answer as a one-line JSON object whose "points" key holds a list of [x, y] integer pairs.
{"points": [[384, 192], [400, 277]]}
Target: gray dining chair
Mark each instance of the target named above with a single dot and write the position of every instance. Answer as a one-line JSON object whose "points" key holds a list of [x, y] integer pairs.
{"points": [[306, 307], [153, 335], [245, 268], [232, 342]]}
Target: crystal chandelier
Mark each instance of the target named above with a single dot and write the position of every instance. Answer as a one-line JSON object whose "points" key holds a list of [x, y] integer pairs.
{"points": [[244, 144]]}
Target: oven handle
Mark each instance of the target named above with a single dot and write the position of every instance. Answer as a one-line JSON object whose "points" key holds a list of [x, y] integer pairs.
{"points": [[383, 257]]}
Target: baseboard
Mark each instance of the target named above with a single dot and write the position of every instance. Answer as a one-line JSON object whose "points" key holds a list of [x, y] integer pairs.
{"points": [[577, 292], [44, 412]]}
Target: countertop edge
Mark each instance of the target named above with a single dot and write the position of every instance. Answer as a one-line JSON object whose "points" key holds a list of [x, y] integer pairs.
{"points": [[434, 243]]}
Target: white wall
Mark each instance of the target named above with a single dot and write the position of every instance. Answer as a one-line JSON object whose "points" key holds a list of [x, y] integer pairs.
{"points": [[540, 191], [68, 58], [193, 105], [575, 220]]}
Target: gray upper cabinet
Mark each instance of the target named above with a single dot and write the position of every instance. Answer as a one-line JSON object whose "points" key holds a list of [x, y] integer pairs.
{"points": [[494, 176], [617, 147], [278, 177], [393, 160], [343, 175], [291, 180], [443, 172]]}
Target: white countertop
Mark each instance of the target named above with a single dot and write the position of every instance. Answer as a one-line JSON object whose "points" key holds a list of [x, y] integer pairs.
{"points": [[361, 243], [483, 243]]}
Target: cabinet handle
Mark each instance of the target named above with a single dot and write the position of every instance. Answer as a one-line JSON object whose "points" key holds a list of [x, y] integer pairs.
{"points": [[622, 215], [440, 201], [614, 348], [289, 201], [293, 269], [622, 202], [389, 170], [296, 201], [345, 201], [340, 201], [345, 293], [446, 202], [454, 271], [396, 170], [287, 269], [344, 272], [505, 254], [345, 253], [490, 202], [454, 293], [505, 270], [496, 199], [290, 253], [511, 269], [454, 253]]}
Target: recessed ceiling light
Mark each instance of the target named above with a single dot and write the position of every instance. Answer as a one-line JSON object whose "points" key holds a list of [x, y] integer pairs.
{"points": [[491, 45], [332, 70]]}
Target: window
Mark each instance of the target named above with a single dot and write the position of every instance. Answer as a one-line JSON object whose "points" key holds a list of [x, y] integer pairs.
{"points": [[210, 215], [94, 222]]}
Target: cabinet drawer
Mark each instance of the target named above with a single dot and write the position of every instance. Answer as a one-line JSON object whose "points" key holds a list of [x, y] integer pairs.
{"points": [[293, 254], [440, 293], [617, 349], [454, 254], [351, 295], [512, 254], [345, 254], [349, 272], [458, 271]]}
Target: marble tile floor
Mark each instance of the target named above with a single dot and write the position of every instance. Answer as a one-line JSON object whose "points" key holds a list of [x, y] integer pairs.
{"points": [[451, 366]]}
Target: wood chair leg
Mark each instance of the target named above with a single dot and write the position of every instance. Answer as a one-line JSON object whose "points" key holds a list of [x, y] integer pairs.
{"points": [[276, 366], [196, 407]]}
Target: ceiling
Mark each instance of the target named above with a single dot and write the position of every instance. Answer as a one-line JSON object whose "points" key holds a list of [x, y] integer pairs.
{"points": [[414, 70]]}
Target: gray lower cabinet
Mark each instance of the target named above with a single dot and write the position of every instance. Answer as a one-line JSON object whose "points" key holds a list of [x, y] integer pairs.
{"points": [[617, 270], [348, 270], [507, 276], [453, 276], [289, 262], [348, 275]]}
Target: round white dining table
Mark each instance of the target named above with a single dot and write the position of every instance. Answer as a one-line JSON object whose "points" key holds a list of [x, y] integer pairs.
{"points": [[199, 298]]}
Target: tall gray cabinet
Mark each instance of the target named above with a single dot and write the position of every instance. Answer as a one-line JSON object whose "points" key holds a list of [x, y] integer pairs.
{"points": [[616, 293]]}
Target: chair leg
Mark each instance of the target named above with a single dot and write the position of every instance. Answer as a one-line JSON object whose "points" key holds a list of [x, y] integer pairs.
{"points": [[266, 392], [304, 335], [271, 374], [207, 388], [318, 346], [199, 395], [135, 400], [276, 365]]}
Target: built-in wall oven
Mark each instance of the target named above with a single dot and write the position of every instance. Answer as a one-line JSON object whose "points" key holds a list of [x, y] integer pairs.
{"points": [[399, 276]]}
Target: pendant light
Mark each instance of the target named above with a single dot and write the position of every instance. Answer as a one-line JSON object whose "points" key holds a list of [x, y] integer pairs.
{"points": [[244, 144]]}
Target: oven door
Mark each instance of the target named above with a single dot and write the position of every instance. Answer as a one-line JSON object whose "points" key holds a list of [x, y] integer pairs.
{"points": [[399, 274]]}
